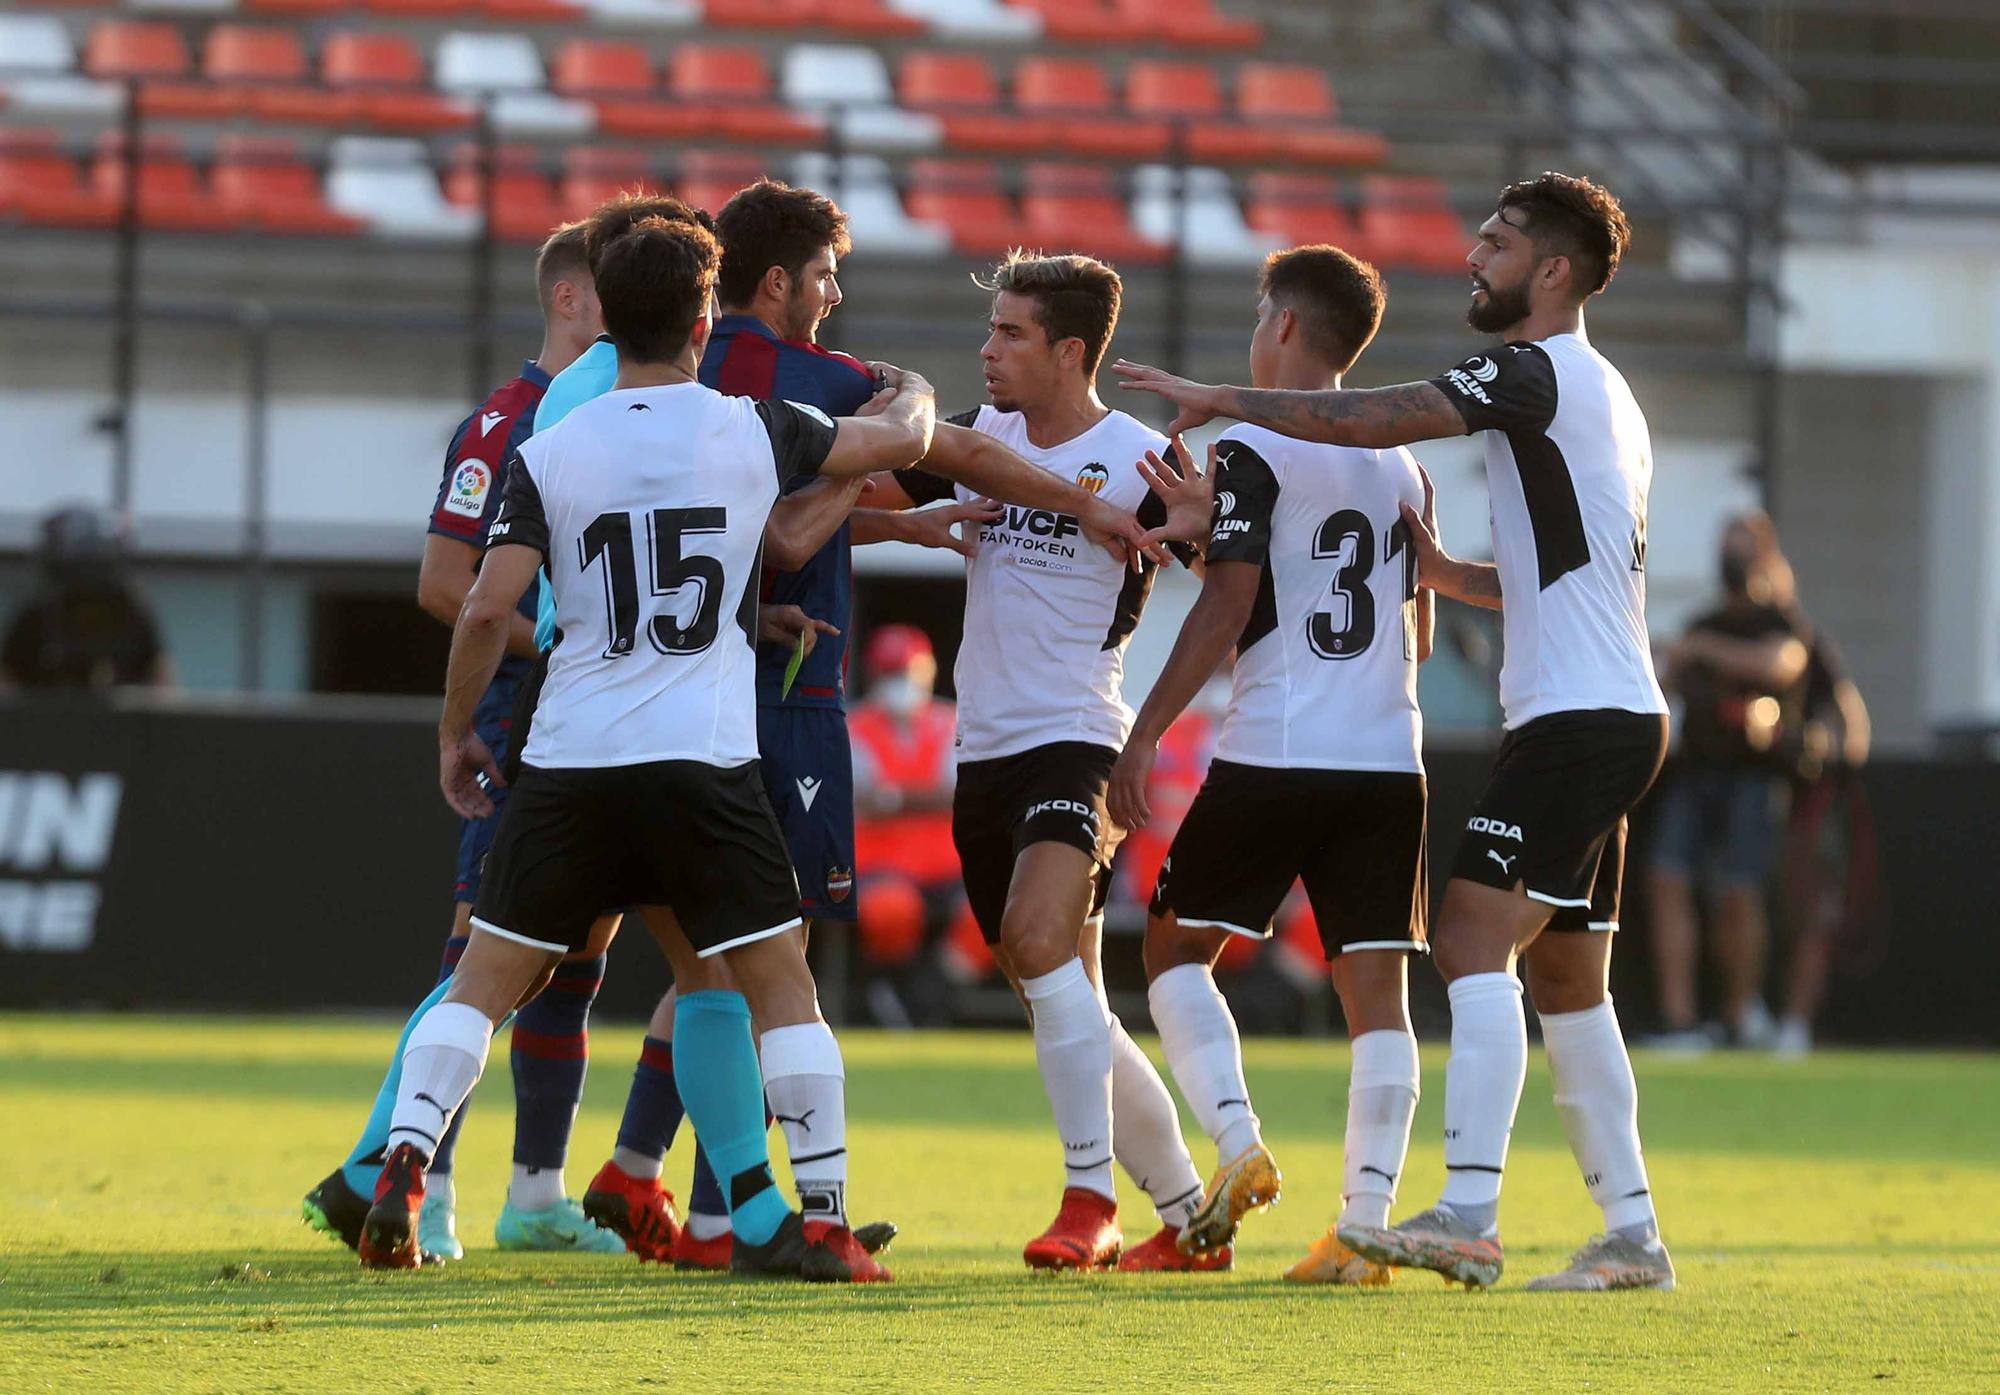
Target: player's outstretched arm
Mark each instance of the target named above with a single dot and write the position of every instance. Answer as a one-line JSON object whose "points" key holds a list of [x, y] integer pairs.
{"points": [[1373, 417], [982, 464], [1228, 592], [888, 439], [478, 641], [1426, 598], [903, 521], [1475, 583], [802, 521]]}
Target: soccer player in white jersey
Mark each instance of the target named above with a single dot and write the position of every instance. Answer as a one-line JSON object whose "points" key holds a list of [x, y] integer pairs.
{"points": [[639, 782], [1318, 774], [1040, 721], [1568, 466]]}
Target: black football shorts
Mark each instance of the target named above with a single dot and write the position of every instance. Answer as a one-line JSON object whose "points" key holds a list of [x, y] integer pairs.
{"points": [[1047, 794]]}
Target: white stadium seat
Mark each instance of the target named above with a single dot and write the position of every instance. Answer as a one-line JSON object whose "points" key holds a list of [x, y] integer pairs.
{"points": [[1210, 231], [982, 20], [850, 86], [654, 14], [389, 185], [474, 63], [35, 44], [860, 184]]}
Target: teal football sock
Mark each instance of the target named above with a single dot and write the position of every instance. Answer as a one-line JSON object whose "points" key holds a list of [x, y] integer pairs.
{"points": [[715, 1066]]}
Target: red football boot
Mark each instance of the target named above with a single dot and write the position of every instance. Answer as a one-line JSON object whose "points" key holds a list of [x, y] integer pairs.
{"points": [[691, 1253], [638, 1210], [389, 1235], [1084, 1234], [834, 1256], [1162, 1254]]}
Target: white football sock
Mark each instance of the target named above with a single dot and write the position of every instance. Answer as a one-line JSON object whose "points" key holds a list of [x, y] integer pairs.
{"points": [[1205, 1055], [1382, 1090], [1146, 1133], [806, 1084], [702, 1226], [1073, 1050], [1599, 1103], [1482, 1091], [536, 1188], [442, 1061], [641, 1167]]}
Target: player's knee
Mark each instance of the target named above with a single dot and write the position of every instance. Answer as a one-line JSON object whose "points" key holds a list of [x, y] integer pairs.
{"points": [[1561, 979], [1036, 943], [1462, 947], [1373, 989], [1169, 945]]}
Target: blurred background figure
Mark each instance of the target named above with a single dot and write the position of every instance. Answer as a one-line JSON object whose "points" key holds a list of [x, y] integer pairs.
{"points": [[903, 780], [1769, 724], [84, 627]]}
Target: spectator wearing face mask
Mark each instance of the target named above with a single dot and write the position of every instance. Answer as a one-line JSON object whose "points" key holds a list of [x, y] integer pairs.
{"points": [[84, 628], [1719, 808], [903, 780]]}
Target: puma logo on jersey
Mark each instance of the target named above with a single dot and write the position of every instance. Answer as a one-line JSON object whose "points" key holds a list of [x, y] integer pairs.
{"points": [[1506, 863], [1495, 827], [808, 791], [490, 420]]}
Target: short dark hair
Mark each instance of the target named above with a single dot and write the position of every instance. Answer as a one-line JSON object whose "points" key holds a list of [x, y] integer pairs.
{"points": [[619, 214], [1076, 297], [769, 224], [1338, 299], [654, 281], [1565, 215], [562, 258]]}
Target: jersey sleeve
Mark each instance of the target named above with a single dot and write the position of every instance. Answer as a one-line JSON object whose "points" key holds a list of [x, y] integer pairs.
{"points": [[1510, 389], [801, 438], [520, 520], [466, 496], [1246, 497]]}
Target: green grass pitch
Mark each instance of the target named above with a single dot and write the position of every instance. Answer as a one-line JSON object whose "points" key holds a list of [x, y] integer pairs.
{"points": [[1836, 1224]]}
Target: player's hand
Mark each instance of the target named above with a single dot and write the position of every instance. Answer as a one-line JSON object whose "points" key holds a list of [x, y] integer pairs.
{"points": [[932, 527], [1189, 494], [1195, 400], [1432, 560], [1430, 500], [875, 405], [783, 624], [1119, 533], [466, 771], [1125, 801]]}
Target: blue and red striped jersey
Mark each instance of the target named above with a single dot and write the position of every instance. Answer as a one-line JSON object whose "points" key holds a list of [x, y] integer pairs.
{"points": [[469, 495], [745, 359]]}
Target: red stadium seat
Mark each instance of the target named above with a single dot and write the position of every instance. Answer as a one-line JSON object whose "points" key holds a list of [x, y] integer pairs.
{"points": [[873, 18], [762, 14], [298, 9], [1192, 93], [418, 9], [1075, 208], [710, 178], [1409, 221], [1190, 23], [620, 79], [524, 204], [262, 72], [731, 89], [962, 92], [171, 194], [262, 181], [968, 198], [1297, 100], [123, 48], [390, 88], [1087, 22], [40, 184], [592, 174], [1302, 209], [1075, 94]]}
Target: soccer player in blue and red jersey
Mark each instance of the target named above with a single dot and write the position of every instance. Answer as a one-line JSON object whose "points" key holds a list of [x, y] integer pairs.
{"points": [[548, 1043]]}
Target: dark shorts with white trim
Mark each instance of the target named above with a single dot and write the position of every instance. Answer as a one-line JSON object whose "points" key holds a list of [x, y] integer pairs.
{"points": [[1356, 838], [574, 844], [1552, 819], [1046, 794]]}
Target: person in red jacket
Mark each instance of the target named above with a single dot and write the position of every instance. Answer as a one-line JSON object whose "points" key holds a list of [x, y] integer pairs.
{"points": [[903, 779]]}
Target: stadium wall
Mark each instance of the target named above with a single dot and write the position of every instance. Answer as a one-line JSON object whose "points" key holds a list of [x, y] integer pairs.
{"points": [[280, 857]]}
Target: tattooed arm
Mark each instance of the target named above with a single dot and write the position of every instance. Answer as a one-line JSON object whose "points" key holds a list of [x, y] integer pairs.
{"points": [[1377, 417]]}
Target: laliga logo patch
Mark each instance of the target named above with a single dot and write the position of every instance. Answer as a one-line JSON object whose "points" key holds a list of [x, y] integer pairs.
{"points": [[1093, 477], [469, 483], [839, 882], [1484, 369]]}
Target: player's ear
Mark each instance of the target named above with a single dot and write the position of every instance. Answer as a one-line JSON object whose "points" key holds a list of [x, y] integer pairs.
{"points": [[777, 283], [1288, 324], [698, 336]]}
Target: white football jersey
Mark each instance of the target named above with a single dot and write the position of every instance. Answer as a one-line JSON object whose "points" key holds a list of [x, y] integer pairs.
{"points": [[1047, 611], [648, 505], [1326, 668], [1568, 464]]}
